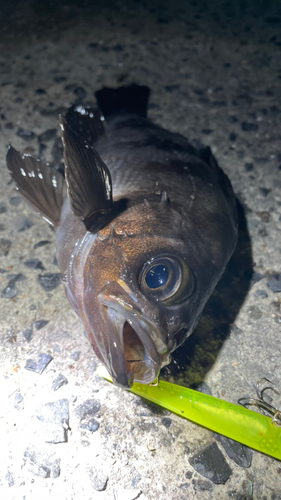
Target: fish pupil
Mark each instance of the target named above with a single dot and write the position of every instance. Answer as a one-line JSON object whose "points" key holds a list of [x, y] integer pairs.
{"points": [[157, 276]]}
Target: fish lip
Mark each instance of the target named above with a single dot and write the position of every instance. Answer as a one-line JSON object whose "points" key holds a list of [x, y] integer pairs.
{"points": [[154, 353]]}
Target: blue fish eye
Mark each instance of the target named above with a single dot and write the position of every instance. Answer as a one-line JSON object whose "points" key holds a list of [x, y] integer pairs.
{"points": [[157, 276]]}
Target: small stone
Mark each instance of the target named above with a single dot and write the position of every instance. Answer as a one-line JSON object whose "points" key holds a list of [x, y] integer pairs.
{"points": [[5, 246], [236, 331], [249, 127], [240, 454], [98, 478], [254, 313], [249, 167], [28, 333], [41, 244], [18, 400], [42, 465], [15, 201], [232, 137], [89, 408], [206, 131], [166, 422], [211, 464], [23, 224], [11, 291], [40, 91], [49, 281], [59, 382], [256, 277], [48, 135], [274, 284], [55, 417], [34, 264], [92, 426], [264, 216], [10, 479], [261, 293], [27, 135], [40, 323], [40, 365], [3, 208], [201, 485], [75, 356], [264, 191]]}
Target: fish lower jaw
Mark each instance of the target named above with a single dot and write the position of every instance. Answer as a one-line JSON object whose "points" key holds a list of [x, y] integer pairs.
{"points": [[132, 355]]}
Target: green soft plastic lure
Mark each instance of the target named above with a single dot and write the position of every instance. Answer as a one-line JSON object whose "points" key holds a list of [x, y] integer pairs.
{"points": [[236, 422]]}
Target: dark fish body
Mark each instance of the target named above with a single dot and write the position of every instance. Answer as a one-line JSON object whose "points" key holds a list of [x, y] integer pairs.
{"points": [[144, 234]]}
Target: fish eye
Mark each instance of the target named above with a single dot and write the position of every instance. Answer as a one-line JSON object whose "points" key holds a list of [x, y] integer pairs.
{"points": [[168, 279]]}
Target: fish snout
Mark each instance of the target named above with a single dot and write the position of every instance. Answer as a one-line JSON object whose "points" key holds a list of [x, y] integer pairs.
{"points": [[136, 346]]}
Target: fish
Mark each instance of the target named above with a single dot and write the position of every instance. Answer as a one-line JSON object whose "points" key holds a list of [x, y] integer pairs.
{"points": [[145, 225]]}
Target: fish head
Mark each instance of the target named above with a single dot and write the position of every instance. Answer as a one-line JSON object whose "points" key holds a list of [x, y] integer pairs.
{"points": [[140, 295]]}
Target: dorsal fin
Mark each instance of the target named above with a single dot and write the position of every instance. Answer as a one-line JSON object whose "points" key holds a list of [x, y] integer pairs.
{"points": [[41, 185], [88, 179], [86, 122]]}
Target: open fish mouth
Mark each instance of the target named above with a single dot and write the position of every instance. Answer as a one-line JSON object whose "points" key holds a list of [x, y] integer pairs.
{"points": [[136, 349]]}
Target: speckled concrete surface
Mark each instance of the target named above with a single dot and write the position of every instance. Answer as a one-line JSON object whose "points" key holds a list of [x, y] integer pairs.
{"points": [[214, 71]]}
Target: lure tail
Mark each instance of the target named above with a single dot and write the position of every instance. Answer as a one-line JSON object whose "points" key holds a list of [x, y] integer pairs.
{"points": [[42, 186], [132, 99]]}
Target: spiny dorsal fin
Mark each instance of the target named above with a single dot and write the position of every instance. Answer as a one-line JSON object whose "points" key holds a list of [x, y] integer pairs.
{"points": [[88, 179], [86, 122], [41, 185]]}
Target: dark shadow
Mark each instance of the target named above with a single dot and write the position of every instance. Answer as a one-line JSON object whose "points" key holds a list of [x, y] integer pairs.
{"points": [[197, 355]]}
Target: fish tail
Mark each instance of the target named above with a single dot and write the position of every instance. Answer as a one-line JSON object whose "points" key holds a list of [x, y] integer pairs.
{"points": [[132, 99], [42, 186]]}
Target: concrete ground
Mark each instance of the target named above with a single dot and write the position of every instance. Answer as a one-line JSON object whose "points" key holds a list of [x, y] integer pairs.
{"points": [[214, 69]]}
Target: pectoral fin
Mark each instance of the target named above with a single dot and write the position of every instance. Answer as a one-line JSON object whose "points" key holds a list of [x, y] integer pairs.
{"points": [[41, 185], [88, 179]]}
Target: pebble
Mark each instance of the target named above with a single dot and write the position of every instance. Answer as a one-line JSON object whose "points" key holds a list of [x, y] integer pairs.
{"points": [[41, 464], [34, 264], [23, 224], [240, 454], [27, 135], [261, 293], [166, 422], [5, 246], [249, 127], [98, 478], [3, 208], [59, 382], [75, 356], [11, 291], [49, 281], [28, 333], [274, 284], [55, 420], [87, 409], [40, 323], [211, 464], [18, 400], [41, 244], [92, 426], [48, 135], [40, 365], [15, 201], [255, 278]]}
